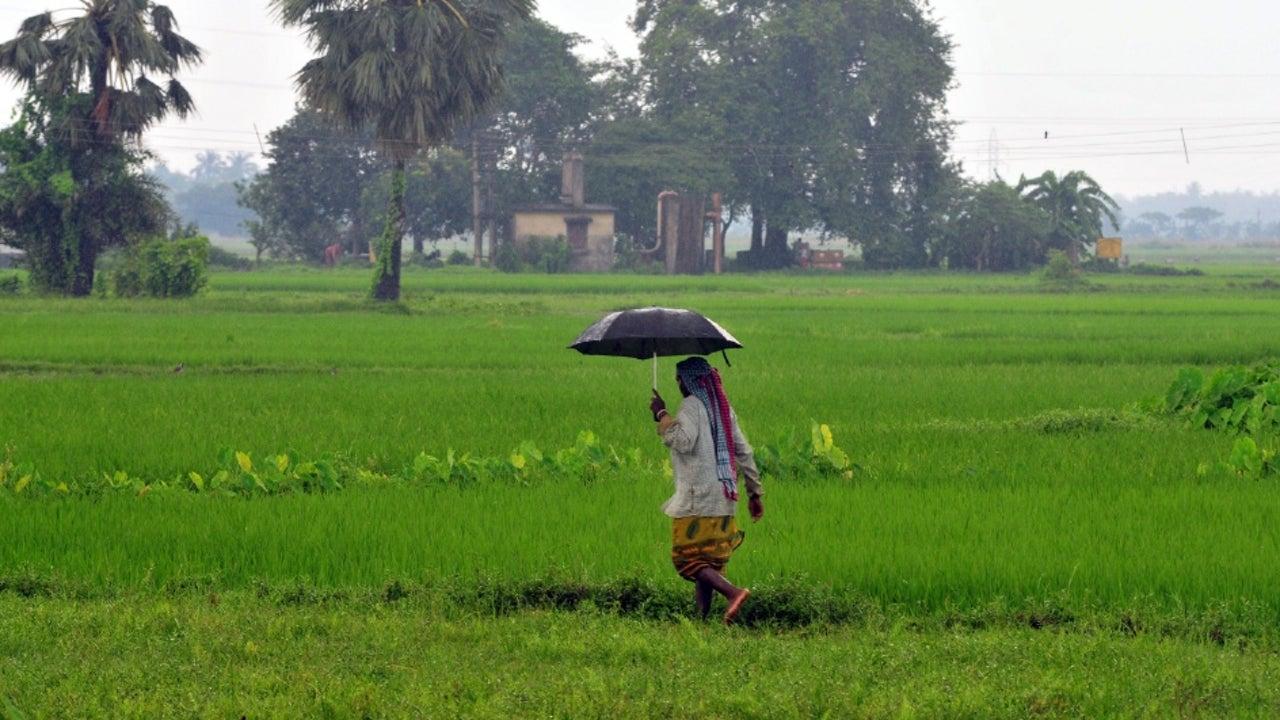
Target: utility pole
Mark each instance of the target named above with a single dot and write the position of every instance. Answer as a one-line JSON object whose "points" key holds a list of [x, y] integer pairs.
{"points": [[491, 204], [717, 232], [477, 211], [993, 155]]}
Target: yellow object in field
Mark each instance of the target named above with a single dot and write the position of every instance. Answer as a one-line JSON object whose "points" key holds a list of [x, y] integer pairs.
{"points": [[1110, 248]]}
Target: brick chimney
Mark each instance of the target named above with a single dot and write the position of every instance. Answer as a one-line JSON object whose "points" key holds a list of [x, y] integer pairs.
{"points": [[573, 186]]}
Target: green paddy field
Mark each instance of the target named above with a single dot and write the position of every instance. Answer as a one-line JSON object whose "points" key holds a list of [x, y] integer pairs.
{"points": [[1020, 533]]}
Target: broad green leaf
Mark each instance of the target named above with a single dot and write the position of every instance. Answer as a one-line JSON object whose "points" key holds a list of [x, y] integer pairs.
{"points": [[246, 464], [1245, 458], [197, 480], [838, 459], [531, 451], [22, 484]]}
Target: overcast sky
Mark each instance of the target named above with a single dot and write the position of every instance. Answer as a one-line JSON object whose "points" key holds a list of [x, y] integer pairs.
{"points": [[1113, 82]]}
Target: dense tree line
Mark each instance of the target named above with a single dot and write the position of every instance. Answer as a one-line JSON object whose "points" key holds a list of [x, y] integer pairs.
{"points": [[827, 115]]}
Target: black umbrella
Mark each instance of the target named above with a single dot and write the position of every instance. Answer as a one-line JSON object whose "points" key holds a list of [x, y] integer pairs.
{"points": [[653, 332]]}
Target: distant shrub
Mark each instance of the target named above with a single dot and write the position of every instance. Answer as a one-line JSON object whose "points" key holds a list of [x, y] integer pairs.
{"points": [[432, 260], [1084, 420], [1060, 268], [360, 260], [10, 285], [222, 258], [1080, 421], [628, 258], [1062, 275], [163, 268], [1099, 265], [505, 257], [537, 254], [457, 257], [549, 255], [1161, 271]]}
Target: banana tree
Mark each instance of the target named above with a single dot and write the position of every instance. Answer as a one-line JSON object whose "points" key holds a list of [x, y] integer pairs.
{"points": [[1077, 207]]}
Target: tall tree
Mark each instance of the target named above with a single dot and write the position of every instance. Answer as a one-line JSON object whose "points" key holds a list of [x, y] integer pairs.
{"points": [[437, 197], [91, 76], [544, 111], [831, 112], [325, 184], [1197, 219], [632, 160], [412, 71], [1160, 223], [48, 210], [311, 195], [1077, 207], [992, 228]]}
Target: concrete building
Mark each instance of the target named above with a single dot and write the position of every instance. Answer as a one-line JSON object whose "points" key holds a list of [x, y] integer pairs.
{"points": [[589, 229]]}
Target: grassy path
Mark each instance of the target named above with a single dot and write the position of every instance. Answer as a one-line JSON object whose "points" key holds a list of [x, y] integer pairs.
{"points": [[236, 656]]}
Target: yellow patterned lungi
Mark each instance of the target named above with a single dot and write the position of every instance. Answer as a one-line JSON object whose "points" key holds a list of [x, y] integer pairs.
{"points": [[703, 542]]}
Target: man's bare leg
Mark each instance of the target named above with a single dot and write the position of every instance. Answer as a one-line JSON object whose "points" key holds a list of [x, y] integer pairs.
{"points": [[703, 592], [719, 583], [734, 594]]}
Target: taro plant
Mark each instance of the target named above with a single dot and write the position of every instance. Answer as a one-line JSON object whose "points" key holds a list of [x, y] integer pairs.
{"points": [[1235, 399], [826, 456], [23, 479], [816, 456], [1253, 462], [239, 474], [1247, 460], [276, 475]]}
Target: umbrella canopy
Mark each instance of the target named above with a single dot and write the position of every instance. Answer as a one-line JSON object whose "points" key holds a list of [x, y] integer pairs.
{"points": [[648, 332], [654, 332]]}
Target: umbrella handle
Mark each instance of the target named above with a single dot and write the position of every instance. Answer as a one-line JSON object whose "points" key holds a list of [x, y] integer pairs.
{"points": [[655, 371]]}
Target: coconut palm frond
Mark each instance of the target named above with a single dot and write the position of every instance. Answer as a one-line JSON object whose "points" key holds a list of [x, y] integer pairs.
{"points": [[179, 100], [36, 25], [108, 53]]}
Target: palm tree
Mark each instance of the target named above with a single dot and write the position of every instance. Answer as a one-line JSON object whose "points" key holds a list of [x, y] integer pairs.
{"points": [[411, 70], [1076, 205], [108, 54], [89, 78]]}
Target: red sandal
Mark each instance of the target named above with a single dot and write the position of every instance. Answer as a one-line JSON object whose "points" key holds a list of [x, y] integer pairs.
{"points": [[736, 606]]}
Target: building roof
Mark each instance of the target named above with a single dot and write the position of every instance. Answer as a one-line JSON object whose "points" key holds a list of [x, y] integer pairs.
{"points": [[562, 209]]}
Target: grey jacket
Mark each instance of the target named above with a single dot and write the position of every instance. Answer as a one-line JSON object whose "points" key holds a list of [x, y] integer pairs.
{"points": [[698, 491]]}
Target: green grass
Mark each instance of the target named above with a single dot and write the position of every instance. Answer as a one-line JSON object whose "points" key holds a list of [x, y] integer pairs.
{"points": [[963, 507], [920, 539], [88, 385], [233, 656]]}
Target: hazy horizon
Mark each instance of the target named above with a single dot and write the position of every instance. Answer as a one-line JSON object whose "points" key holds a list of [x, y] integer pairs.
{"points": [[1113, 84]]}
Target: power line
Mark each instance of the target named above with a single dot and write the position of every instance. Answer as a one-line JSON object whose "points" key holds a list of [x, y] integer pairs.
{"points": [[1139, 75], [1170, 134]]}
